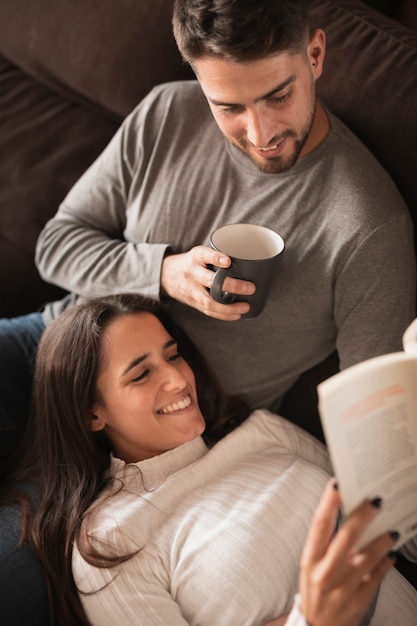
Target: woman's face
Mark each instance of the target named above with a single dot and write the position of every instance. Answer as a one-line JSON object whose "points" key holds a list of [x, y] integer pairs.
{"points": [[146, 393]]}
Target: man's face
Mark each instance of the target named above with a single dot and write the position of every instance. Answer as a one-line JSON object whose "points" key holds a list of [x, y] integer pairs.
{"points": [[266, 108]]}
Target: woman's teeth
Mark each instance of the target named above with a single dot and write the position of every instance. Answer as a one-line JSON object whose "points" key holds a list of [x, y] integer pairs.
{"points": [[177, 406]]}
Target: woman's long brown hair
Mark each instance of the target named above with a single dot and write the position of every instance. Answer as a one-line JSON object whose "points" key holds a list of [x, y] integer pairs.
{"points": [[65, 463]]}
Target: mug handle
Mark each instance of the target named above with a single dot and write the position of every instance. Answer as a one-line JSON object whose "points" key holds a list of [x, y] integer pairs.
{"points": [[216, 289]]}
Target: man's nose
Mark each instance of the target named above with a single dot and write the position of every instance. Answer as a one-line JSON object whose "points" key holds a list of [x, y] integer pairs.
{"points": [[260, 128]]}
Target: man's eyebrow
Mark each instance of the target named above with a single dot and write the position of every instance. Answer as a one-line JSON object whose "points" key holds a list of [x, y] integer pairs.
{"points": [[138, 360], [265, 96], [280, 87]]}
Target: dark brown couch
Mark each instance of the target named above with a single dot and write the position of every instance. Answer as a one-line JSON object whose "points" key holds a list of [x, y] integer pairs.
{"points": [[71, 70]]}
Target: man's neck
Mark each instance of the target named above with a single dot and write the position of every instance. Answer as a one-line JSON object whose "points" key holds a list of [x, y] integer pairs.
{"points": [[318, 132]]}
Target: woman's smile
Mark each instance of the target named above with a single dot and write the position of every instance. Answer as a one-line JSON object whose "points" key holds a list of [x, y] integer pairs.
{"points": [[176, 406]]}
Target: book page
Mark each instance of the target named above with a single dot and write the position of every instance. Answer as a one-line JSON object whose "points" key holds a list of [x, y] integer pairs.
{"points": [[369, 417], [410, 338]]}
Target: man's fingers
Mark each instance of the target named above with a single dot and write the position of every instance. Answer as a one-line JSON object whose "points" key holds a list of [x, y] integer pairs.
{"points": [[204, 255], [224, 312], [231, 285], [208, 259], [187, 277]]}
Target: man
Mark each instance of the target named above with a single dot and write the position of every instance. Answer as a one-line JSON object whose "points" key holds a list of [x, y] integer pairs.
{"points": [[246, 142]]}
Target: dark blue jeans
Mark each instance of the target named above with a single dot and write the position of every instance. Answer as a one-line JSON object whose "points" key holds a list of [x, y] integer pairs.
{"points": [[19, 338], [23, 598]]}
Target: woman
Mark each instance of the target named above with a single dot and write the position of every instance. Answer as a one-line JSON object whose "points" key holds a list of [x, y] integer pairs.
{"points": [[150, 513]]}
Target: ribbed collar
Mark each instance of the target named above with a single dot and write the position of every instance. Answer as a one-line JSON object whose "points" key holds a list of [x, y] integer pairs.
{"points": [[152, 472]]}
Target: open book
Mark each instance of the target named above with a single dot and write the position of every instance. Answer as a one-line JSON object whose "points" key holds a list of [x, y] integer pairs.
{"points": [[369, 418]]}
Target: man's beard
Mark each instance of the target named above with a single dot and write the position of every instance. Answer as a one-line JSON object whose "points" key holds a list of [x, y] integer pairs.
{"points": [[281, 163]]}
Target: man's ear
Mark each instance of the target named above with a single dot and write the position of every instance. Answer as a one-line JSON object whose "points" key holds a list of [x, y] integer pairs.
{"points": [[95, 422], [316, 51]]}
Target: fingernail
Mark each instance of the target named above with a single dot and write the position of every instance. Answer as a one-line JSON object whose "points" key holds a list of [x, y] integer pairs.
{"points": [[377, 502], [395, 535], [223, 260]]}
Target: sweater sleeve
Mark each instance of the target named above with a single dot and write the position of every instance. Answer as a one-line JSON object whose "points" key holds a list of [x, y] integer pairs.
{"points": [[141, 595], [296, 618], [83, 248]]}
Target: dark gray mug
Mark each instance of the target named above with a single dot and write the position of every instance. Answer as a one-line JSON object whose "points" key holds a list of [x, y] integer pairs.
{"points": [[254, 251]]}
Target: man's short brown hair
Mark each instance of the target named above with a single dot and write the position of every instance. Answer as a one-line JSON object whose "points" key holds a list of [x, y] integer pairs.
{"points": [[239, 30]]}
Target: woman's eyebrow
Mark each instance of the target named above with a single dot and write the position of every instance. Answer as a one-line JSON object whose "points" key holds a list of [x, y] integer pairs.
{"points": [[134, 362], [137, 360]]}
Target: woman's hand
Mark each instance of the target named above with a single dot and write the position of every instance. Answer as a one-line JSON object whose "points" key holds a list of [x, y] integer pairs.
{"points": [[337, 583]]}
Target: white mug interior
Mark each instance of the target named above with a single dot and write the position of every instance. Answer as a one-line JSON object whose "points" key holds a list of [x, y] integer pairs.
{"points": [[247, 241]]}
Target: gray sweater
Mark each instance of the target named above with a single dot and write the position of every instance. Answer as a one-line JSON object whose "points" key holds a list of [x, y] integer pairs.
{"points": [[346, 278]]}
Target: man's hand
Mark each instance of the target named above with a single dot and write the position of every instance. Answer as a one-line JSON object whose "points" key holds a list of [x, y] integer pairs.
{"points": [[337, 583], [187, 278]]}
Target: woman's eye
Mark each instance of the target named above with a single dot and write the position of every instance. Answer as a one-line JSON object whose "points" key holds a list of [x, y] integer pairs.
{"points": [[141, 377], [175, 357]]}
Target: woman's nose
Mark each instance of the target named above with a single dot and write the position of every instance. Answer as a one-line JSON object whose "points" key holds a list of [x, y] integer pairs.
{"points": [[173, 378]]}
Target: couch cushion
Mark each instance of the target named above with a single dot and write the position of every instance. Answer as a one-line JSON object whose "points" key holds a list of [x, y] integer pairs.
{"points": [[68, 76], [112, 52], [46, 142]]}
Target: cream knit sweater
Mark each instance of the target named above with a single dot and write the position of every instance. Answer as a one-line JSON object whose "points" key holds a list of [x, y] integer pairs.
{"points": [[220, 532]]}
